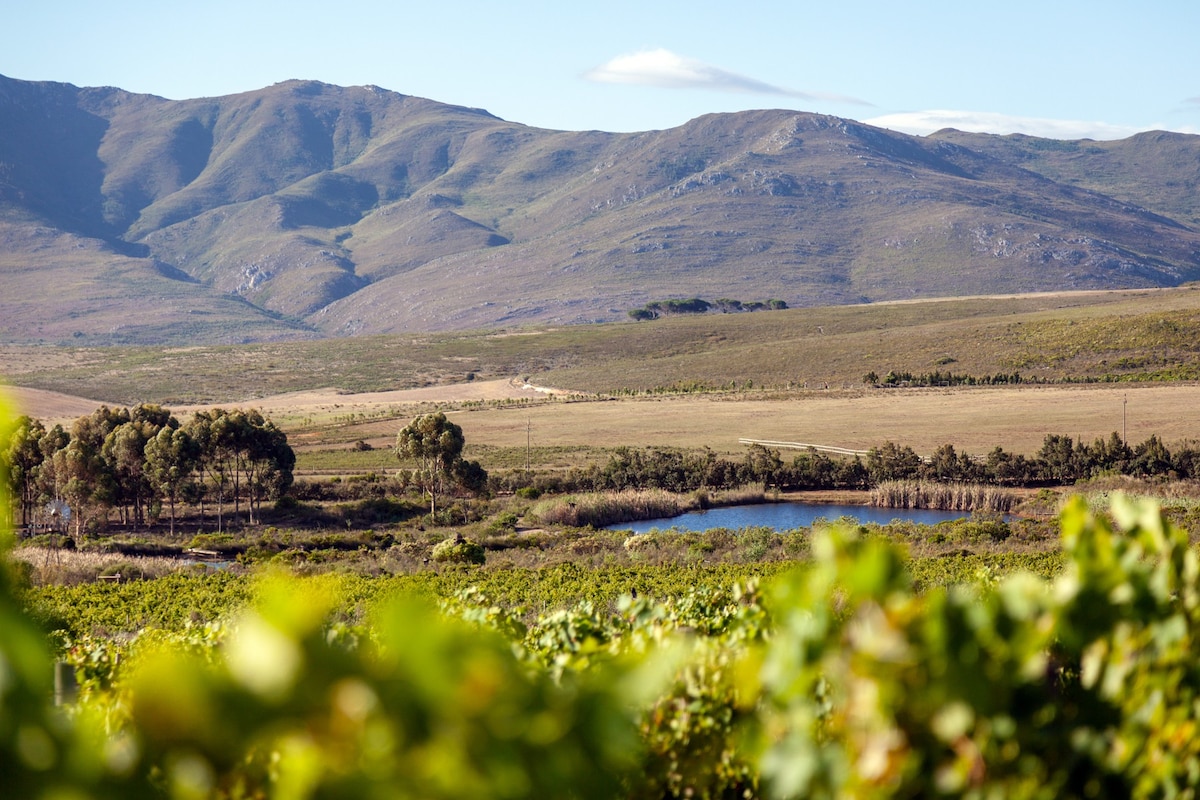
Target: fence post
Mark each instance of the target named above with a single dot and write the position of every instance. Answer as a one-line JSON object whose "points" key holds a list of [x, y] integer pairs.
{"points": [[65, 687]]}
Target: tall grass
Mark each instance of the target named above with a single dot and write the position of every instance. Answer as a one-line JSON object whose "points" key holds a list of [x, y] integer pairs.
{"points": [[942, 496], [599, 509], [607, 508], [68, 567]]}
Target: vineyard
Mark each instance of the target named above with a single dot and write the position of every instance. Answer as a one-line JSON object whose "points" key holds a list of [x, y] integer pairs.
{"points": [[861, 672], [987, 657]]}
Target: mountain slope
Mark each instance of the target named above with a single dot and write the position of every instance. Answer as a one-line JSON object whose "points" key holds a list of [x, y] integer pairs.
{"points": [[326, 210], [1157, 170]]}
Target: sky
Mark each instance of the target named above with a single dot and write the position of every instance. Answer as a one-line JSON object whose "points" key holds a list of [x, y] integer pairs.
{"points": [[1099, 69]]}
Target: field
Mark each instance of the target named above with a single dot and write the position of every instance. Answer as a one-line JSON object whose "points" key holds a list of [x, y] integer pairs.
{"points": [[1128, 335], [1091, 364], [501, 420], [973, 420]]}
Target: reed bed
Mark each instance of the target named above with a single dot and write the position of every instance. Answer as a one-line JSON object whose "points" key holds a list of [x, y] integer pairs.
{"points": [[67, 567], [942, 496], [599, 509], [606, 508]]}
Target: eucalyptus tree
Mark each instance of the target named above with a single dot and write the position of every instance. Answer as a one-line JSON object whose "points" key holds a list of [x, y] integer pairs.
{"points": [[210, 432], [436, 444], [124, 451], [266, 460], [242, 450], [171, 457], [24, 458], [84, 478], [49, 482]]}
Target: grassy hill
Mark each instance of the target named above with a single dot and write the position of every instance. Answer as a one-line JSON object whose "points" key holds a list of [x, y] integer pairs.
{"points": [[1139, 335], [305, 210]]}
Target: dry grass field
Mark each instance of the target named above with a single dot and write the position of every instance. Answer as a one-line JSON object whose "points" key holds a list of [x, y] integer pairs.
{"points": [[974, 420], [790, 376]]}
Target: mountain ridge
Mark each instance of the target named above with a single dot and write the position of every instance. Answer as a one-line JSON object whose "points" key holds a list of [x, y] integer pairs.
{"points": [[306, 209]]}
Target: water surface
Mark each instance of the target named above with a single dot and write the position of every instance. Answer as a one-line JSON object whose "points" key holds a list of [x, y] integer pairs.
{"points": [[786, 517]]}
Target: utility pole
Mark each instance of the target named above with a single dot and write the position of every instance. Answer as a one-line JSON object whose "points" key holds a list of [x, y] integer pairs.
{"points": [[1124, 418], [528, 444]]}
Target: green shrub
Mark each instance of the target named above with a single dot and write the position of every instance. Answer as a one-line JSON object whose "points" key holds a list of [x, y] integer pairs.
{"points": [[505, 522], [458, 550], [211, 541]]}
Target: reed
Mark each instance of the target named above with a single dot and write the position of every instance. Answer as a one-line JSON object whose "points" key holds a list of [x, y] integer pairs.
{"points": [[739, 496], [599, 509], [61, 566], [942, 496], [607, 508]]}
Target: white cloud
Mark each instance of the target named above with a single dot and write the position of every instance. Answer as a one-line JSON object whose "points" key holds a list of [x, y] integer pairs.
{"points": [[667, 70], [921, 123]]}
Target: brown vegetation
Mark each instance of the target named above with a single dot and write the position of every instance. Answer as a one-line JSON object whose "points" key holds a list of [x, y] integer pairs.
{"points": [[943, 496]]}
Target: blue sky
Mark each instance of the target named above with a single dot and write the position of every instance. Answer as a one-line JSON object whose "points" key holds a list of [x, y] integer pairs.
{"points": [[1098, 69]]}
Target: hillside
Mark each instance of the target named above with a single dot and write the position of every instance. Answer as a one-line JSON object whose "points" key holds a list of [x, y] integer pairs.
{"points": [[306, 210], [1076, 337]]}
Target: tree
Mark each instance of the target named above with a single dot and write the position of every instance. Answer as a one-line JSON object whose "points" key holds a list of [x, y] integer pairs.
{"points": [[1008, 469], [1059, 458], [49, 482], [268, 461], [24, 458], [241, 449], [892, 462], [762, 465], [208, 429], [1111, 455], [435, 444], [1186, 460], [947, 465], [1151, 458], [171, 456], [82, 473]]}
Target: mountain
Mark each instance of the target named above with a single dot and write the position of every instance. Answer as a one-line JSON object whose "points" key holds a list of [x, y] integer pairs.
{"points": [[307, 210]]}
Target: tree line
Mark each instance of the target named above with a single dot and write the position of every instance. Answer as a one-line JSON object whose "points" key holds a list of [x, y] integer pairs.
{"points": [[1060, 461], [938, 378], [133, 461], [694, 305]]}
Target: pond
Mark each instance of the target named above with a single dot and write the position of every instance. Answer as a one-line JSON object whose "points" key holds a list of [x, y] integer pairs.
{"points": [[786, 517]]}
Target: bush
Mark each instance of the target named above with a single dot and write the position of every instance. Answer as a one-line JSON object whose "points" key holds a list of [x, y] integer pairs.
{"points": [[458, 550], [505, 522], [211, 541]]}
